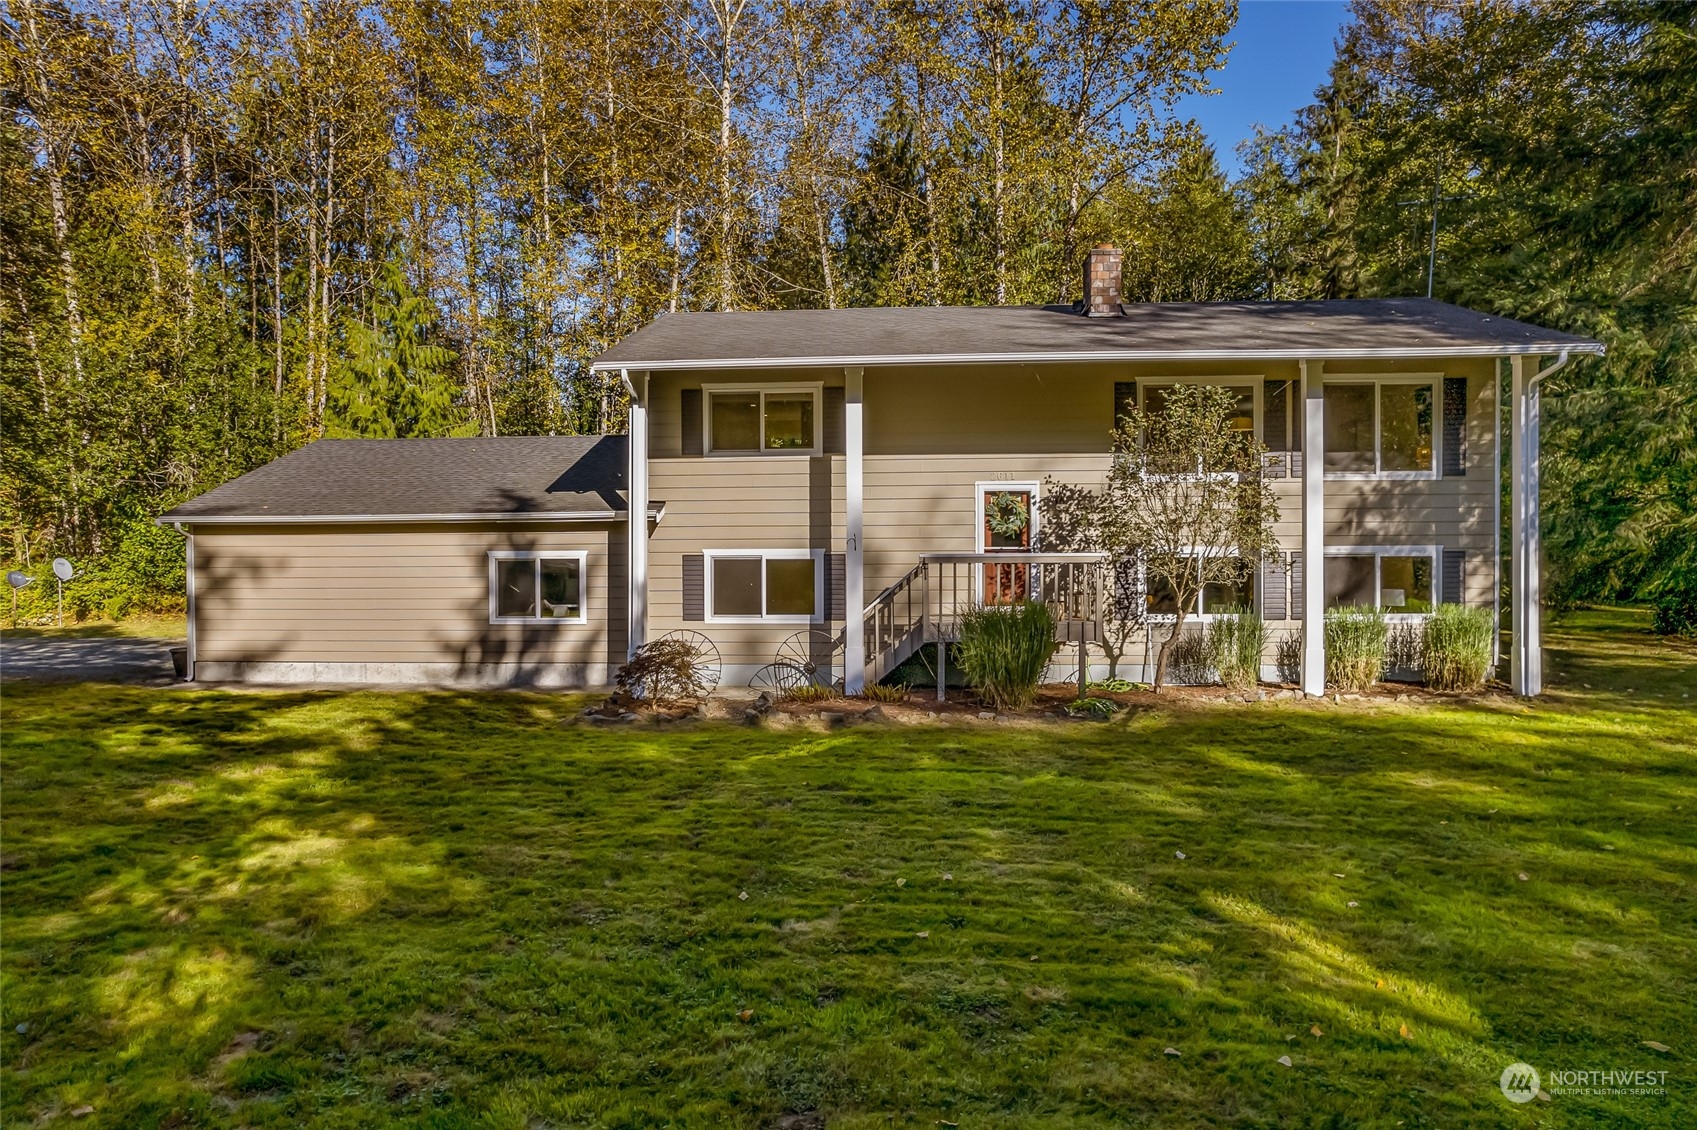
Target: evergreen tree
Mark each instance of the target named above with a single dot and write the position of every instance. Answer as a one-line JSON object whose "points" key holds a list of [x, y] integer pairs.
{"points": [[394, 381]]}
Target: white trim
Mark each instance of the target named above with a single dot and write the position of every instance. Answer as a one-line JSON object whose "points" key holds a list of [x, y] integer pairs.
{"points": [[414, 519], [540, 555], [1313, 613], [854, 530], [1377, 380], [979, 490], [1497, 425], [636, 533], [814, 388], [1378, 553], [709, 556], [1400, 353], [189, 536]]}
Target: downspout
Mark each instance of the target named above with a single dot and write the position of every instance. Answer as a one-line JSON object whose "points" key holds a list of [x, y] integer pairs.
{"points": [[1532, 381]]}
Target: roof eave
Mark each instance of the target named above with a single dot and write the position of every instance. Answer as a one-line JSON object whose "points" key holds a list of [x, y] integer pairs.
{"points": [[872, 360], [655, 513]]}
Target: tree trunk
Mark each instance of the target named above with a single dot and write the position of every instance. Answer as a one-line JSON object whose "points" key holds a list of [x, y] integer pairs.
{"points": [[1165, 654]]}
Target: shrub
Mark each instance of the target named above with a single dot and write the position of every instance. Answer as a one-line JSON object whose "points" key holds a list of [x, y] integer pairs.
{"points": [[1676, 614], [1236, 642], [809, 692], [884, 692], [1456, 650], [1188, 665], [1405, 646], [1288, 656], [1004, 651], [1355, 647], [664, 670]]}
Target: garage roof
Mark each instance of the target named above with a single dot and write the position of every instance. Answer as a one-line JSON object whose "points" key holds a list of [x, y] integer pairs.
{"points": [[495, 478]]}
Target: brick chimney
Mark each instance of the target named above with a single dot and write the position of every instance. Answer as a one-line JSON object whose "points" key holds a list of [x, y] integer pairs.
{"points": [[1102, 282]]}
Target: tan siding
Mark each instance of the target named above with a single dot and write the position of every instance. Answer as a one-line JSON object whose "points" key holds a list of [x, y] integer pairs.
{"points": [[381, 594]]}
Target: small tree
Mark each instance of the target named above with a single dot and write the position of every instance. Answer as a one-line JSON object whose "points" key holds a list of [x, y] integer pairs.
{"points": [[1187, 497]]}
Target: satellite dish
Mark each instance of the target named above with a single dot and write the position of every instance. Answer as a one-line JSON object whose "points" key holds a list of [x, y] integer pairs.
{"points": [[62, 569], [18, 580]]}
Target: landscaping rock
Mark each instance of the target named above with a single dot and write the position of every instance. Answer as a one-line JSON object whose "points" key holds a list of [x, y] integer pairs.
{"points": [[753, 717], [986, 715], [832, 717], [873, 717]]}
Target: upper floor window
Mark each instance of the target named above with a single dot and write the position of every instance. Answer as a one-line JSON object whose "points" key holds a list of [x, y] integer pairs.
{"points": [[1152, 397], [1382, 427], [529, 586], [776, 419]]}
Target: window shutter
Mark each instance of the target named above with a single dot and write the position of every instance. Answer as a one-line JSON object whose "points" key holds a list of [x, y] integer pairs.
{"points": [[1125, 399], [690, 420], [1273, 606], [1454, 562], [695, 588], [836, 586], [1275, 427], [836, 441], [1128, 603], [1296, 586], [1455, 426]]}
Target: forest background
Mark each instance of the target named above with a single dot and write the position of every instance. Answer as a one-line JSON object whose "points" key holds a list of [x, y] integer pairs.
{"points": [[227, 229]]}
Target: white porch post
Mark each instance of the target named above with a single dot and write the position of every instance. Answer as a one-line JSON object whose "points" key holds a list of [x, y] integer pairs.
{"points": [[1313, 528], [1526, 667], [636, 631], [854, 565]]}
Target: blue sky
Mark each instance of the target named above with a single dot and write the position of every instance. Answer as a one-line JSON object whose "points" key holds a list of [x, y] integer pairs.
{"points": [[1283, 48]]}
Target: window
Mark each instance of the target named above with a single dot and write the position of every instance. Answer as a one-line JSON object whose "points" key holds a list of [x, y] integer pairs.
{"points": [[780, 420], [1243, 414], [779, 586], [1397, 580], [527, 586], [1216, 597], [1382, 428]]}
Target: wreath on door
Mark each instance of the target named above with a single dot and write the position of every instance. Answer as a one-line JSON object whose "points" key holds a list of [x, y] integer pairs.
{"points": [[1007, 514]]}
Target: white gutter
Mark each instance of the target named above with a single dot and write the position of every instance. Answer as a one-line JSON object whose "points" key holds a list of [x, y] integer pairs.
{"points": [[1401, 353], [655, 514], [1533, 380]]}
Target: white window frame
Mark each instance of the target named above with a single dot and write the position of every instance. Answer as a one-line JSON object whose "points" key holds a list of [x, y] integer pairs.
{"points": [[817, 556], [1197, 613], [1435, 381], [1378, 552], [581, 556], [816, 389], [1256, 381]]}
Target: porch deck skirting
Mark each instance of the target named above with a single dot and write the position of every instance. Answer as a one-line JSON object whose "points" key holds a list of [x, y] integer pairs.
{"points": [[551, 675]]}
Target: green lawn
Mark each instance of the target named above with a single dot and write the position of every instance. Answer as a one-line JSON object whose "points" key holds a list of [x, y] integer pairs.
{"points": [[145, 625], [436, 909]]}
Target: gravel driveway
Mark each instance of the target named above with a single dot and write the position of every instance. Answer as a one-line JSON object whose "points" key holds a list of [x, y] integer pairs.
{"points": [[92, 660]]}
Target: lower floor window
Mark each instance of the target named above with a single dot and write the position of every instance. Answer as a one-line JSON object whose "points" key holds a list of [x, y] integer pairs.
{"points": [[1395, 580], [764, 585], [536, 586], [1216, 597]]}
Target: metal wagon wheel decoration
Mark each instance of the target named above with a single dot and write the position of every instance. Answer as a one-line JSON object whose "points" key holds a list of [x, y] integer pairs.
{"points": [[818, 655], [706, 668], [779, 678]]}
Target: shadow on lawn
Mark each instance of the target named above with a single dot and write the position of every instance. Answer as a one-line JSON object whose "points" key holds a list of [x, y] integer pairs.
{"points": [[270, 905]]}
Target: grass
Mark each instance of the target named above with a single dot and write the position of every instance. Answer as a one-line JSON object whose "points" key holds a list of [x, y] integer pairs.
{"points": [[164, 625], [446, 910]]}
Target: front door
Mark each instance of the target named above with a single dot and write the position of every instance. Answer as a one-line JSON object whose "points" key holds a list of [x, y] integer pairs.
{"points": [[1007, 523]]}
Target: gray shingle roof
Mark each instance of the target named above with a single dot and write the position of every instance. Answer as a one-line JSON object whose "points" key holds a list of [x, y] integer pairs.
{"points": [[493, 478], [1215, 330]]}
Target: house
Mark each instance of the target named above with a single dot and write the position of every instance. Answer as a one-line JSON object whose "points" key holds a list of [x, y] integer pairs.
{"points": [[839, 484]]}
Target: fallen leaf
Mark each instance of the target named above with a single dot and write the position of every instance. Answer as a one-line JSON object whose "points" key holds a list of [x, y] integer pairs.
{"points": [[1443, 821], [1379, 984], [1315, 1031], [1405, 1033], [1033, 957], [743, 895], [948, 876], [923, 934], [1285, 1059], [1170, 1051], [946, 1122], [1353, 903], [746, 1015], [901, 882], [1178, 855], [82, 1112], [1339, 875], [1653, 1045], [1523, 877]]}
